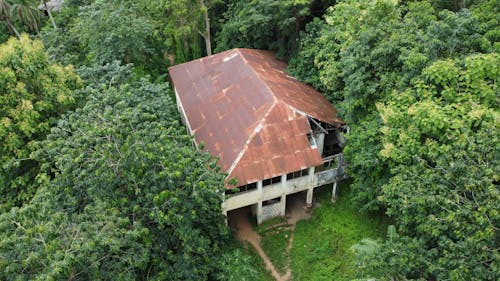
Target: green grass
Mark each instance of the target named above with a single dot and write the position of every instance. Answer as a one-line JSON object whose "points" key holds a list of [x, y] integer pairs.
{"points": [[320, 250], [275, 235], [321, 244], [256, 264]]}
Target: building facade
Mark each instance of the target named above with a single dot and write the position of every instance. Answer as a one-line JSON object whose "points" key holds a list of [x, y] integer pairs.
{"points": [[272, 134]]}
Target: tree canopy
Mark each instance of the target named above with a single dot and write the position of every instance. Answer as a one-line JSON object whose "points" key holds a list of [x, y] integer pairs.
{"points": [[99, 179], [124, 196], [34, 93], [440, 137], [417, 85]]}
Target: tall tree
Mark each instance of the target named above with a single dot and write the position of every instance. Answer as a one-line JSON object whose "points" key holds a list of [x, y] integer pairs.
{"points": [[272, 25], [26, 12], [421, 111], [368, 49], [184, 23], [441, 139], [113, 30], [5, 16], [33, 94], [129, 198]]}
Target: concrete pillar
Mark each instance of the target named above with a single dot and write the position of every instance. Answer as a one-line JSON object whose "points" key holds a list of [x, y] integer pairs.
{"points": [[334, 192], [283, 205], [255, 208], [224, 212], [259, 212], [311, 175], [320, 142], [283, 197], [309, 198], [310, 189]]}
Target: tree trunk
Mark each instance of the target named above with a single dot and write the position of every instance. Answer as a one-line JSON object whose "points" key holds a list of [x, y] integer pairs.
{"points": [[208, 44], [50, 14], [11, 26]]}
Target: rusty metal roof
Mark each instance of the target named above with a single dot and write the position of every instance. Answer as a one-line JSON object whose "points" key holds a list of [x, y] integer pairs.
{"points": [[248, 112]]}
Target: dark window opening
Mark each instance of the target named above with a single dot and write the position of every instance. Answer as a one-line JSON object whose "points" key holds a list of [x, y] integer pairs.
{"points": [[243, 188], [271, 201], [332, 145], [271, 181], [297, 174]]}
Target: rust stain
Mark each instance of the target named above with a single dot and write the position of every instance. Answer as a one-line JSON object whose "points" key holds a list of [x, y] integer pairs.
{"points": [[250, 113]]}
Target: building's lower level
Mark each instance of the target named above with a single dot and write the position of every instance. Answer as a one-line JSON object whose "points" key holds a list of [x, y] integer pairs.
{"points": [[268, 197]]}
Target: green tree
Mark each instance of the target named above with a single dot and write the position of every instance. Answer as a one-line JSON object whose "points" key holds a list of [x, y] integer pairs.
{"points": [[185, 27], [20, 16], [26, 12], [423, 117], [40, 242], [125, 195], [34, 94], [63, 44], [441, 138], [127, 31], [271, 25], [113, 30], [5, 16], [368, 49]]}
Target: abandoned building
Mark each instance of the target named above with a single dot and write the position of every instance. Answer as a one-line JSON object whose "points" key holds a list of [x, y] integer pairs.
{"points": [[274, 136]]}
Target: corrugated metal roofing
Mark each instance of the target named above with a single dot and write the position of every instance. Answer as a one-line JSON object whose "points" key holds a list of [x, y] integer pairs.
{"points": [[248, 112]]}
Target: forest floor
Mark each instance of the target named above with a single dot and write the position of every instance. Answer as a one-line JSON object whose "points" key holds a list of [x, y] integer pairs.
{"points": [[311, 244]]}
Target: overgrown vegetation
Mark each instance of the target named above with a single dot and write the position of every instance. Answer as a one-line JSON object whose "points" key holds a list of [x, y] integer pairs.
{"points": [[418, 85], [34, 94], [240, 262], [99, 181], [276, 235], [321, 247]]}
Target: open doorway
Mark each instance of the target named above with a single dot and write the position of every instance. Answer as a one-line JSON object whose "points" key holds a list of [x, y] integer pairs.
{"points": [[237, 216]]}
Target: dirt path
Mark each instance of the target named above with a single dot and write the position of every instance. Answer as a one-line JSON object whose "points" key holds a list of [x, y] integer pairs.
{"points": [[296, 210], [245, 232]]}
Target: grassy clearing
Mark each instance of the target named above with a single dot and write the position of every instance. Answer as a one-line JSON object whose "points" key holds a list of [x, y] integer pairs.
{"points": [[320, 250], [244, 262], [321, 244], [275, 235]]}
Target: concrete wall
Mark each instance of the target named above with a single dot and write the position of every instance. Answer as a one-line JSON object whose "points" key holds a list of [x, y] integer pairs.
{"points": [[320, 142], [286, 187], [180, 108], [271, 211], [268, 192]]}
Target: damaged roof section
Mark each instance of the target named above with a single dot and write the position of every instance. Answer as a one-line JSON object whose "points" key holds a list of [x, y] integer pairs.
{"points": [[248, 112]]}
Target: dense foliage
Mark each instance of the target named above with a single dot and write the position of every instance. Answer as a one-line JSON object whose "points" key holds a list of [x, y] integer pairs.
{"points": [[34, 93], [17, 16], [422, 111], [128, 198], [270, 25], [103, 31], [99, 181], [441, 139]]}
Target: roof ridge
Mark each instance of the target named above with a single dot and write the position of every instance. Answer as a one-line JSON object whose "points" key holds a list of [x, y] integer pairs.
{"points": [[275, 99], [250, 138]]}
